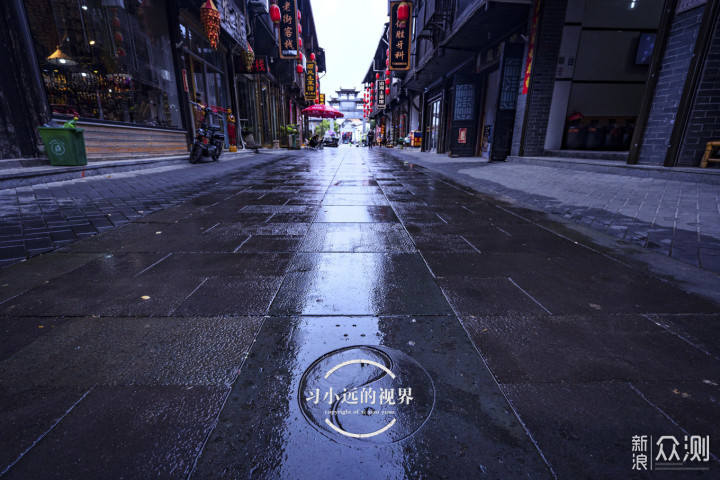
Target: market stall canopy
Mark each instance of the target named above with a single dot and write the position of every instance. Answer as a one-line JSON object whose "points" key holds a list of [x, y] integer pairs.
{"points": [[322, 111]]}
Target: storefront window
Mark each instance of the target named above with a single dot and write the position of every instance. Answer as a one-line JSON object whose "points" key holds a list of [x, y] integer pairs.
{"points": [[205, 73], [107, 59]]}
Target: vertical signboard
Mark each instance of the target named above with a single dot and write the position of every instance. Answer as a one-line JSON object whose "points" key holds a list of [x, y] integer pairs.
{"points": [[310, 81], [400, 37], [531, 47], [322, 99], [288, 29], [380, 94]]}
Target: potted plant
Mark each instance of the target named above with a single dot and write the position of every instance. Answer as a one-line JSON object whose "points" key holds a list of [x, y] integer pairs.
{"points": [[291, 130], [247, 134]]}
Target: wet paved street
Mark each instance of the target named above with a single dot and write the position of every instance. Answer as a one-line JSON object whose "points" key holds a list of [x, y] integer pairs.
{"points": [[259, 329]]}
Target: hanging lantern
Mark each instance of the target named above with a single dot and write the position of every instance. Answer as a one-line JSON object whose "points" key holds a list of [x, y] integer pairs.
{"points": [[210, 18], [403, 14], [275, 13], [377, 76], [387, 91], [299, 69], [317, 101], [299, 15], [299, 42], [387, 62], [299, 28], [300, 56], [312, 57], [387, 73]]}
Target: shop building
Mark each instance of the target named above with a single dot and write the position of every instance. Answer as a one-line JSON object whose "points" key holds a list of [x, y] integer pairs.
{"points": [[135, 72], [631, 81]]}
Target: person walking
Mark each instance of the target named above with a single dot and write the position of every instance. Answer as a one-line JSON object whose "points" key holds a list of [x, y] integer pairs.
{"points": [[371, 138]]}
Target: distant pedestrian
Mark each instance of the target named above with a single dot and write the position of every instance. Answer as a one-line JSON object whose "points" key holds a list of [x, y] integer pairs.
{"points": [[371, 138]]}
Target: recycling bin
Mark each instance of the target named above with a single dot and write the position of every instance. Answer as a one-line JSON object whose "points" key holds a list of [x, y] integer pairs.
{"points": [[64, 146]]}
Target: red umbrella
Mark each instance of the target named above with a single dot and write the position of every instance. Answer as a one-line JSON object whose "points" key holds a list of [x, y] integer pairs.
{"points": [[322, 111]]}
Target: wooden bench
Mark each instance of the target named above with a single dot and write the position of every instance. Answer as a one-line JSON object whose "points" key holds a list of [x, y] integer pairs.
{"points": [[707, 158]]}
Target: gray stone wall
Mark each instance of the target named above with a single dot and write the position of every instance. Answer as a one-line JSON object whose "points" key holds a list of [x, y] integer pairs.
{"points": [[671, 81], [704, 121]]}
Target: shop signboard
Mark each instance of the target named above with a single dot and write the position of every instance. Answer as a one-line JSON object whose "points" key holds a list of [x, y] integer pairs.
{"points": [[232, 21], [400, 38], [462, 135], [381, 94], [310, 80], [288, 29], [322, 99], [259, 66]]}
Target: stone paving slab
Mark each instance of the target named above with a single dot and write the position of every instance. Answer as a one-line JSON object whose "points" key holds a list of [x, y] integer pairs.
{"points": [[677, 218], [193, 359]]}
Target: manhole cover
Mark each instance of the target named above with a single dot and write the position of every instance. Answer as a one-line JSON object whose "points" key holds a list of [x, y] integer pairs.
{"points": [[366, 394]]}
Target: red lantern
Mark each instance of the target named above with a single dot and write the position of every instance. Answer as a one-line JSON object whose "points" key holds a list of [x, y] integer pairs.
{"points": [[403, 13], [387, 62], [387, 73], [299, 28], [299, 69], [377, 76], [300, 56], [210, 18], [387, 52], [312, 57], [387, 91], [275, 13], [299, 16], [299, 42]]}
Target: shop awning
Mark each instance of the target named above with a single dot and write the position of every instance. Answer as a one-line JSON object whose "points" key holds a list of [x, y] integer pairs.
{"points": [[322, 111]]}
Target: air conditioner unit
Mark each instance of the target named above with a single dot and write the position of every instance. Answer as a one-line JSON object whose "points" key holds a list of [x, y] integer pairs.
{"points": [[259, 5]]}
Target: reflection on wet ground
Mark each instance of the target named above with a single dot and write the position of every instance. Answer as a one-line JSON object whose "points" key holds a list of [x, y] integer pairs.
{"points": [[342, 314]]}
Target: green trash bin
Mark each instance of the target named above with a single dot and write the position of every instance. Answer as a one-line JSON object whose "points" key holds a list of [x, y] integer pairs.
{"points": [[64, 146]]}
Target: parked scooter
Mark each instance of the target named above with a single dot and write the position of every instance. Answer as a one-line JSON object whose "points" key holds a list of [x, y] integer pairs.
{"points": [[209, 139]]}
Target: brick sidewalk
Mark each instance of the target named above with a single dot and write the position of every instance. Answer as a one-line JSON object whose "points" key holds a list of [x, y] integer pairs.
{"points": [[38, 218], [677, 218]]}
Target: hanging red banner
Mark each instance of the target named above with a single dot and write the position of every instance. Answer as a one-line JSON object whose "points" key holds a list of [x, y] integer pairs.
{"points": [[531, 47]]}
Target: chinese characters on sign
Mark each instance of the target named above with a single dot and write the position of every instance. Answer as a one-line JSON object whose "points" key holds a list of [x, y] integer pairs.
{"points": [[311, 81], [258, 67], [399, 41], [381, 94], [322, 99], [288, 29], [668, 453]]}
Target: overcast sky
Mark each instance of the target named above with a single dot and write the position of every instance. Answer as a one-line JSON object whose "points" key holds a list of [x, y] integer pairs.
{"points": [[349, 31]]}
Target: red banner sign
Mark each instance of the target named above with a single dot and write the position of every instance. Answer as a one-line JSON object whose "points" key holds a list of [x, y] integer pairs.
{"points": [[531, 47]]}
